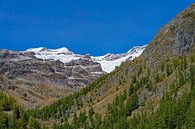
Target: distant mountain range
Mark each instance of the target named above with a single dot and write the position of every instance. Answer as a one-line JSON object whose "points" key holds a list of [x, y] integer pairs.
{"points": [[108, 62]]}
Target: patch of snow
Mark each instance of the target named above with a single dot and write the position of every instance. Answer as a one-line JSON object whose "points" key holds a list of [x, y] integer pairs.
{"points": [[137, 49], [36, 50], [110, 61], [62, 58], [45, 51], [109, 66], [62, 54]]}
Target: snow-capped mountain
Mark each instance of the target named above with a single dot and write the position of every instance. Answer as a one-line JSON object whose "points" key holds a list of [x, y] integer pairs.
{"points": [[108, 62], [62, 54], [46, 51]]}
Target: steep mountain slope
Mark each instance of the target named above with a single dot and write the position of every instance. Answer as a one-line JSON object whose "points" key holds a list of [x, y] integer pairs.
{"points": [[159, 54], [174, 39], [34, 81]]}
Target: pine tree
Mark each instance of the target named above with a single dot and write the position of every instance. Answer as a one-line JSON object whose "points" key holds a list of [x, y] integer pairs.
{"points": [[131, 90], [132, 104], [3, 121], [192, 75]]}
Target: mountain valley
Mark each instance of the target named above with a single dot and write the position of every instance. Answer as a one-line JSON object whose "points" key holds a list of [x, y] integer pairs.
{"points": [[149, 87]]}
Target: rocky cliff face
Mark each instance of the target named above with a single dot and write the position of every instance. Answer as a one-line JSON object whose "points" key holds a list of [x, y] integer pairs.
{"points": [[35, 81]]}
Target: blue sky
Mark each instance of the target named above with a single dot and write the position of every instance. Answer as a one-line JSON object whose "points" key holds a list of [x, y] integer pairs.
{"points": [[84, 26]]}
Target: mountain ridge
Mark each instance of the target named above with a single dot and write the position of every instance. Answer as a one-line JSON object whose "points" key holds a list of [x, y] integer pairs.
{"points": [[108, 61]]}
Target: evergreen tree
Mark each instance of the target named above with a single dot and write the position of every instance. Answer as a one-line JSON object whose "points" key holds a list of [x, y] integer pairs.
{"points": [[132, 104]]}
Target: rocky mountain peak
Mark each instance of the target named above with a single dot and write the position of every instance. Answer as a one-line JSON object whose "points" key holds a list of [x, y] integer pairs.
{"points": [[137, 49], [46, 51]]}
